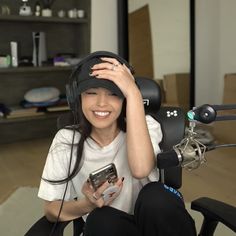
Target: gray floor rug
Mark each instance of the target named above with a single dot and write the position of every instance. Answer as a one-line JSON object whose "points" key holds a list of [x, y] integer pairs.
{"points": [[23, 208]]}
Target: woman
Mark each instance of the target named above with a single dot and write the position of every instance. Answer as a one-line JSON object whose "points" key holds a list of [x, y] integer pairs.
{"points": [[110, 127]]}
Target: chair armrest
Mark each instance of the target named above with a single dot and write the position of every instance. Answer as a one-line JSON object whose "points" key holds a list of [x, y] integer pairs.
{"points": [[215, 211]]}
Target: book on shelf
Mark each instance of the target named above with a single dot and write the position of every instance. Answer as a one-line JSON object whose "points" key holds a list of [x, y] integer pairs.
{"points": [[58, 108], [18, 112]]}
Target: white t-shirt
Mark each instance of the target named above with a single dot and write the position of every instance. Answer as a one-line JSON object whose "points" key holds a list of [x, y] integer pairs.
{"points": [[94, 157]]}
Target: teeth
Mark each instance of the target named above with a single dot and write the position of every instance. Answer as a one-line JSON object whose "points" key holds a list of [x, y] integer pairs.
{"points": [[101, 113]]}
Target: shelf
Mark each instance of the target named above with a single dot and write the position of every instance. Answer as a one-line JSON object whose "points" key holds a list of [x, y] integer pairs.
{"points": [[35, 69], [45, 116], [19, 129], [63, 35], [41, 19]]}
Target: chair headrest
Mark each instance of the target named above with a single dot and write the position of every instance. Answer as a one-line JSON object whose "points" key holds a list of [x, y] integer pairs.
{"points": [[151, 94]]}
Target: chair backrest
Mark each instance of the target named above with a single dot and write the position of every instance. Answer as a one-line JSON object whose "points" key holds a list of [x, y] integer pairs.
{"points": [[171, 119]]}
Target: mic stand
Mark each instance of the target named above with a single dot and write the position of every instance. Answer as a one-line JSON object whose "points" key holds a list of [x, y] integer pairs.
{"points": [[192, 150]]}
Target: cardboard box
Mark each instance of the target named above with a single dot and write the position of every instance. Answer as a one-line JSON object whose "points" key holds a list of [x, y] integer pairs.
{"points": [[229, 95], [176, 87], [224, 131]]}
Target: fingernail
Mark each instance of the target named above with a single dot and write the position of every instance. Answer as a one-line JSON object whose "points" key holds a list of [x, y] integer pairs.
{"points": [[122, 179]]}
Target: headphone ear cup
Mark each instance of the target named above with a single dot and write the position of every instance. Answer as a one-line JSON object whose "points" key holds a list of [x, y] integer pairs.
{"points": [[71, 95], [68, 96]]}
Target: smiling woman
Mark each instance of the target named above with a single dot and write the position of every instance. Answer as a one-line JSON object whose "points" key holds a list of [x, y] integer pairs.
{"points": [[102, 108], [108, 108]]}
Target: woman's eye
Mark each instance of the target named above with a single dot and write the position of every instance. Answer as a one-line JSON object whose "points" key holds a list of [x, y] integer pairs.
{"points": [[112, 94], [90, 93]]}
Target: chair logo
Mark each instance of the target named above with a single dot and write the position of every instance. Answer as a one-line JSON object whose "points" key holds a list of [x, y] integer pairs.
{"points": [[172, 113], [146, 102]]}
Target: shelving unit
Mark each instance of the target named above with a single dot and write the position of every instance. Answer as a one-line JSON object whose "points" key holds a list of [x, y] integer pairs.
{"points": [[41, 19], [63, 35], [34, 69]]}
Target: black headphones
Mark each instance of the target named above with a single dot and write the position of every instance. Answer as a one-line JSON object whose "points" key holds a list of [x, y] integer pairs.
{"points": [[72, 86]]}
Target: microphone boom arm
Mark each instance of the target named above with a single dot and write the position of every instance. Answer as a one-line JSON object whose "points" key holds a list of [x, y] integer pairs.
{"points": [[208, 113]]}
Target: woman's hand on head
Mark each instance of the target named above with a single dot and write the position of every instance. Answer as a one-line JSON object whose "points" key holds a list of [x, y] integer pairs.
{"points": [[97, 198], [118, 73]]}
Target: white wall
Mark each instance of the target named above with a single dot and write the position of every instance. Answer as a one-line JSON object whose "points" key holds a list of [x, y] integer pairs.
{"points": [[170, 34], [104, 25], [215, 48], [169, 27], [215, 39]]}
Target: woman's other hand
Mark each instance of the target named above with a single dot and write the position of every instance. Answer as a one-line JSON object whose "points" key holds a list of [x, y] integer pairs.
{"points": [[104, 195]]}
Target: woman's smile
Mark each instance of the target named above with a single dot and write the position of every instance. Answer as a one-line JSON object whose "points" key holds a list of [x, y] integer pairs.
{"points": [[102, 114], [101, 108]]}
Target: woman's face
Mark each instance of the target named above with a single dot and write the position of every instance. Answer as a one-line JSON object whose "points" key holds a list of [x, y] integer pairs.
{"points": [[101, 108]]}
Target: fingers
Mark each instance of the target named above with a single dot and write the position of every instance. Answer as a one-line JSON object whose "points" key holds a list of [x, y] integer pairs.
{"points": [[105, 194], [96, 195], [111, 60], [112, 192], [107, 66], [116, 64]]}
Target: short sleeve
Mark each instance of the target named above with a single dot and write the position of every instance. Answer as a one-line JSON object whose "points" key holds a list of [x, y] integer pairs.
{"points": [[155, 133], [56, 168]]}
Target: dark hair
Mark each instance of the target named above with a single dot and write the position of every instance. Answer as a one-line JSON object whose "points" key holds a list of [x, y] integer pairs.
{"points": [[82, 125]]}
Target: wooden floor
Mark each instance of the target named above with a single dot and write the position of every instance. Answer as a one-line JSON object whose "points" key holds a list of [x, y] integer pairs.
{"points": [[21, 164]]}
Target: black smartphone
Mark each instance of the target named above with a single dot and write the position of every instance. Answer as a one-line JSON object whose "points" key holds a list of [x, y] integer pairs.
{"points": [[101, 175]]}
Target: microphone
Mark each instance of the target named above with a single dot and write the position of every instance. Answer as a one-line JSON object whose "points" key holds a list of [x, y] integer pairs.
{"points": [[189, 153]]}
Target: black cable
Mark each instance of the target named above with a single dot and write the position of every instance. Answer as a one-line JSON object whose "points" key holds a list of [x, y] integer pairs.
{"points": [[67, 182]]}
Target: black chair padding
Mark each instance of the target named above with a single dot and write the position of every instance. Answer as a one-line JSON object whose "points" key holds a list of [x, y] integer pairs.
{"points": [[172, 121], [151, 94], [214, 211]]}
